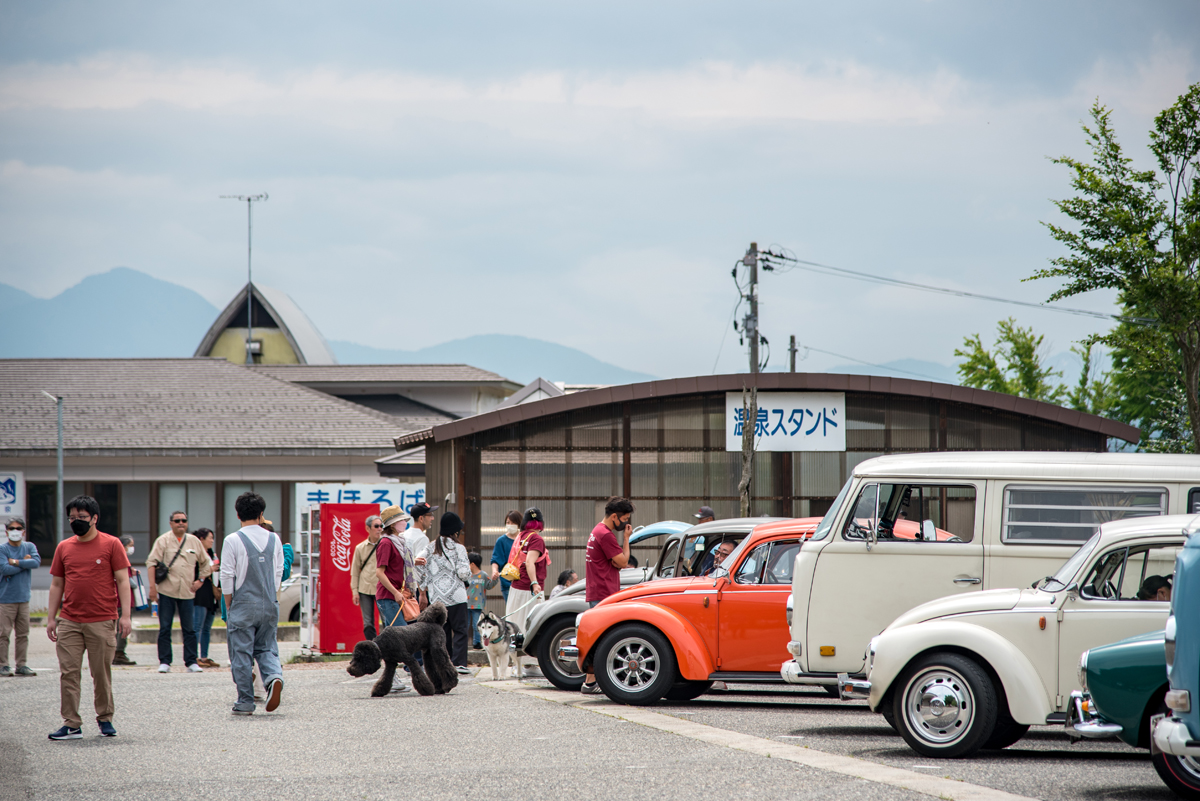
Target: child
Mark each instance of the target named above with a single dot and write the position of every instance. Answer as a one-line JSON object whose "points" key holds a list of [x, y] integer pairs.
{"points": [[477, 586]]}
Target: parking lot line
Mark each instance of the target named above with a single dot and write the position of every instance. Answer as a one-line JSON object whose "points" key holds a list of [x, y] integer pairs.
{"points": [[848, 766]]}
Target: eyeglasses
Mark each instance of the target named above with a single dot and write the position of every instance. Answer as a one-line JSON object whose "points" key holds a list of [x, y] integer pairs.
{"points": [[15, 528], [179, 520], [377, 525]]}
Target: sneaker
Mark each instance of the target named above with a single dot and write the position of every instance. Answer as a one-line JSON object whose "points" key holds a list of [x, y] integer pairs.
{"points": [[194, 668], [25, 670], [274, 690], [591, 688], [164, 668], [121, 660], [246, 712], [66, 733], [400, 688], [204, 661], [6, 671], [463, 670], [106, 728]]}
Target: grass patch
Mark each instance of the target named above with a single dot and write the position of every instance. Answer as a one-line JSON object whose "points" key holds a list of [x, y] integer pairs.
{"points": [[298, 659]]}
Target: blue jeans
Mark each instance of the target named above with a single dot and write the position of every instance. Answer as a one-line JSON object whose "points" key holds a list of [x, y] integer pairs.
{"points": [[187, 621], [476, 640], [203, 627], [389, 609]]}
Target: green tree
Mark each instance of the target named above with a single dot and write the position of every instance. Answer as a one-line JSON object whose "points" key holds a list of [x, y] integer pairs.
{"points": [[1015, 368], [1138, 231]]}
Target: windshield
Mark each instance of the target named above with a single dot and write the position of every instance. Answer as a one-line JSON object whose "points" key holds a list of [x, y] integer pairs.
{"points": [[1061, 579], [827, 521]]}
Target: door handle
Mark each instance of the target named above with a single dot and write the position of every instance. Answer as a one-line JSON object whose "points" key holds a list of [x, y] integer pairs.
{"points": [[967, 580]]}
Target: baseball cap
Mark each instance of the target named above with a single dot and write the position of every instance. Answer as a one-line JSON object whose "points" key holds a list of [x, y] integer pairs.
{"points": [[705, 511], [421, 509]]}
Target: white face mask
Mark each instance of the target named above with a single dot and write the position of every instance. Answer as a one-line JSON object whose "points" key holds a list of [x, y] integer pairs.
{"points": [[129, 550], [15, 535], [512, 528]]}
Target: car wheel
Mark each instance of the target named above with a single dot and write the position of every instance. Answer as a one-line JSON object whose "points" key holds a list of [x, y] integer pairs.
{"points": [[562, 673], [889, 716], [294, 615], [1007, 732], [1180, 773], [831, 690], [945, 706], [688, 690], [635, 664]]}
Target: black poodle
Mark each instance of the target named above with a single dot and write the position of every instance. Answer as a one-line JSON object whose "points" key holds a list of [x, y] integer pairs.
{"points": [[397, 644]]}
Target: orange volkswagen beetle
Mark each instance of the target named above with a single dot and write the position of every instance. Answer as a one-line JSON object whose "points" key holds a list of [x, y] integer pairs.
{"points": [[674, 637]]}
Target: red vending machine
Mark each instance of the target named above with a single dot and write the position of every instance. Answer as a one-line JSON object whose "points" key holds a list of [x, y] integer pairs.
{"points": [[337, 622]]}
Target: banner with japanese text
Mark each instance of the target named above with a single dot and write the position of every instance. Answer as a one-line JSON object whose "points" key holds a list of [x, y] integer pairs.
{"points": [[389, 494], [790, 421]]}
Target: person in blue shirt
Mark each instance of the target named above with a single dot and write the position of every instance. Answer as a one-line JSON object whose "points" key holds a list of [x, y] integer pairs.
{"points": [[504, 543], [18, 558]]}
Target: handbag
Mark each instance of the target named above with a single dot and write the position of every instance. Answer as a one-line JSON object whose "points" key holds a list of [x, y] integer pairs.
{"points": [[408, 607], [511, 570], [138, 588], [160, 572]]}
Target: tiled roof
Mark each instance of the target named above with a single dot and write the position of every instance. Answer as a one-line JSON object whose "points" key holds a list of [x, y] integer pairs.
{"points": [[179, 406], [382, 373]]}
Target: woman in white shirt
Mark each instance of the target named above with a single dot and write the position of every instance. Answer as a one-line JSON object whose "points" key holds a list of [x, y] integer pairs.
{"points": [[442, 571]]}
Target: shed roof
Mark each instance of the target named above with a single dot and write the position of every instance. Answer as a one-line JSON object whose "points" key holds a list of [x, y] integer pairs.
{"points": [[171, 407], [381, 373], [815, 382]]}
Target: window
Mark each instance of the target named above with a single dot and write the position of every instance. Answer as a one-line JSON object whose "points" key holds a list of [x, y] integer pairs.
{"points": [[781, 563], [1193, 507], [913, 513], [750, 571], [666, 565], [1060, 515], [1142, 573]]}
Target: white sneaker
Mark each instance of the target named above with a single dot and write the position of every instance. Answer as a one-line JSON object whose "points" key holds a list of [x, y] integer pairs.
{"points": [[399, 686], [463, 670], [194, 668], [164, 668]]}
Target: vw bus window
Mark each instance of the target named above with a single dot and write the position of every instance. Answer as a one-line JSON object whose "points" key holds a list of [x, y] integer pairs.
{"points": [[913, 513], [1062, 515], [826, 524], [1132, 574]]}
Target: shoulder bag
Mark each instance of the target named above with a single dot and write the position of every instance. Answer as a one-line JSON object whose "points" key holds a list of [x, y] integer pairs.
{"points": [[161, 572]]}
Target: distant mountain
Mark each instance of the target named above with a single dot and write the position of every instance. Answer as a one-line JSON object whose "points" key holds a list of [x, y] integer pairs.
{"points": [[120, 313], [520, 358], [903, 368]]}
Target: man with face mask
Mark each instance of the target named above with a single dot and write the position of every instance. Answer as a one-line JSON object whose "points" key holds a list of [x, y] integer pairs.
{"points": [[18, 558]]}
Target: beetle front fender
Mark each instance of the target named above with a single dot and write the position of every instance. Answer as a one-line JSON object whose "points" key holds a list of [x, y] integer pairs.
{"points": [[691, 654], [1028, 699]]}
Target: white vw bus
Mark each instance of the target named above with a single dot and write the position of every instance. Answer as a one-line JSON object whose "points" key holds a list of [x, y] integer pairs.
{"points": [[982, 521]]}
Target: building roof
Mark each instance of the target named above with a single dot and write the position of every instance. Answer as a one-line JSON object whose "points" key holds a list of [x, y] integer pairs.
{"points": [[407, 374], [172, 407], [537, 389], [306, 341], [1035, 465], [815, 382]]}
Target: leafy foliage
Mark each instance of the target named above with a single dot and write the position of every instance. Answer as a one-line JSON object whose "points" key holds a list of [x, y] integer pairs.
{"points": [[1015, 368]]}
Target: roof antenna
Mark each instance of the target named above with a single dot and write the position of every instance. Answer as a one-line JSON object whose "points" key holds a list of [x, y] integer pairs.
{"points": [[249, 274]]}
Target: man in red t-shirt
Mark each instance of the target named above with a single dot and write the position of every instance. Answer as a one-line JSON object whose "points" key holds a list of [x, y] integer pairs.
{"points": [[89, 578], [605, 558]]}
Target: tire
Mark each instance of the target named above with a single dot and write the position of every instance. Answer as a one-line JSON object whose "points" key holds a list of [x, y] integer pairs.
{"points": [[831, 690], [688, 690], [889, 716], [1007, 732], [1181, 774], [653, 673], [294, 615], [564, 676], [945, 706]]}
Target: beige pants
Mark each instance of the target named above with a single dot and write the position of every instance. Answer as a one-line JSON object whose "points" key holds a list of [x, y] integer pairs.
{"points": [[99, 640], [515, 614], [14, 617]]}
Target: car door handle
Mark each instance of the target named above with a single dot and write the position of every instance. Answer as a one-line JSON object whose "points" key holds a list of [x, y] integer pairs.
{"points": [[967, 580]]}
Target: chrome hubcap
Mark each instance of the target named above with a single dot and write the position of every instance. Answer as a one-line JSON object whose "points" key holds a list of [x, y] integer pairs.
{"points": [[1191, 765], [939, 706], [565, 653], [633, 663]]}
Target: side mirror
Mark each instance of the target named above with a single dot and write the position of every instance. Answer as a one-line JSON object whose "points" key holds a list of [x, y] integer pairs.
{"points": [[928, 531]]}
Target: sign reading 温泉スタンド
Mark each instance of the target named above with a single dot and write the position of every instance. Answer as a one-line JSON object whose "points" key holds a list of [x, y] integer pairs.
{"points": [[790, 421]]}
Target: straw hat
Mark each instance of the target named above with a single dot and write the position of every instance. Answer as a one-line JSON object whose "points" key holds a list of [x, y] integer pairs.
{"points": [[393, 514]]}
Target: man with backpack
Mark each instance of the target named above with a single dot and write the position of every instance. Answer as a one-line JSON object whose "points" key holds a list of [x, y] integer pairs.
{"points": [[362, 575]]}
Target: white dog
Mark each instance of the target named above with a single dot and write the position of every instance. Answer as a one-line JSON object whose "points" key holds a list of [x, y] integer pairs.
{"points": [[497, 637]]}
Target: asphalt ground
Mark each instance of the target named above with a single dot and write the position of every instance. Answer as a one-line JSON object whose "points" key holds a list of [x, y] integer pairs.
{"points": [[329, 739]]}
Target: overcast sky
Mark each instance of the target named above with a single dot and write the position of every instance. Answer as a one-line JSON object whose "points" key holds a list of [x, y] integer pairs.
{"points": [[581, 173]]}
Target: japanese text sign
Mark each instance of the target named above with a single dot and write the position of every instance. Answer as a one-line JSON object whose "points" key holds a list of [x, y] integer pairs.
{"points": [[384, 495], [790, 421]]}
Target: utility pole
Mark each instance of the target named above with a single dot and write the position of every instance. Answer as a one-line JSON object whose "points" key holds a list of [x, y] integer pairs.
{"points": [[750, 323], [792, 353], [58, 509], [249, 273]]}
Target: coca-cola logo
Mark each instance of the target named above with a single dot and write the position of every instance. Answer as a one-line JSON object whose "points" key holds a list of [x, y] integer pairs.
{"points": [[341, 543]]}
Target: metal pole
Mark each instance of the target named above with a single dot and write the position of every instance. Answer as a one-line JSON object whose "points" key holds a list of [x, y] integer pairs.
{"points": [[58, 509], [249, 282], [792, 353], [751, 261]]}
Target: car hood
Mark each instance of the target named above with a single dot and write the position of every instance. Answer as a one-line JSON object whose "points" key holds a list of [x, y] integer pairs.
{"points": [[964, 603], [659, 587]]}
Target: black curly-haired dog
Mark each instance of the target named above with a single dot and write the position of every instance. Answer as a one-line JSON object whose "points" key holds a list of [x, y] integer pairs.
{"points": [[396, 644]]}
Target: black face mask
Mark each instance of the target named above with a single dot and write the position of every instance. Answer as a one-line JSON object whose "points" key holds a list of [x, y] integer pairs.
{"points": [[81, 527]]}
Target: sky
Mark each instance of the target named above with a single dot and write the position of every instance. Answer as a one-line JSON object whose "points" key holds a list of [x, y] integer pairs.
{"points": [[581, 173]]}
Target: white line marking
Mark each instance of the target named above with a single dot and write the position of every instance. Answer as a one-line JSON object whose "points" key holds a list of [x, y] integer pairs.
{"points": [[803, 755], [792, 736]]}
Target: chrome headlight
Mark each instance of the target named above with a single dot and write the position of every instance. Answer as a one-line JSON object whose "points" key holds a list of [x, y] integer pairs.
{"points": [[1083, 659], [789, 611], [1169, 641]]}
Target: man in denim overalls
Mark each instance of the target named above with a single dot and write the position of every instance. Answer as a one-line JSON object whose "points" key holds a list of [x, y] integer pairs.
{"points": [[251, 572]]}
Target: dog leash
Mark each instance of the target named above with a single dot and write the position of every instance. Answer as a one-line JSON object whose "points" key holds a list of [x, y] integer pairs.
{"points": [[539, 596]]}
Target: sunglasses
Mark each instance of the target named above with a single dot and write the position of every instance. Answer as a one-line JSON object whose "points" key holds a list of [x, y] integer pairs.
{"points": [[179, 520], [15, 528]]}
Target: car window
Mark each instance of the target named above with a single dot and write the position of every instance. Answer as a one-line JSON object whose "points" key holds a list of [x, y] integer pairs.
{"points": [[781, 563], [917, 513], [826, 524], [670, 554], [1060, 515], [1140, 573], [750, 570], [1194, 501]]}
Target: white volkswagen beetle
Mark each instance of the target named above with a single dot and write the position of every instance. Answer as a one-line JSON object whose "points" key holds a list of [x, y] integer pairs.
{"points": [[976, 671]]}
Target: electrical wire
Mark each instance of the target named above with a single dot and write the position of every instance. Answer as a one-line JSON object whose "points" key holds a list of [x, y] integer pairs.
{"points": [[790, 262], [725, 335], [869, 364]]}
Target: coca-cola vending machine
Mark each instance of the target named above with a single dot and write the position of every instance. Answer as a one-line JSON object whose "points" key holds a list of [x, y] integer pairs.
{"points": [[330, 622]]}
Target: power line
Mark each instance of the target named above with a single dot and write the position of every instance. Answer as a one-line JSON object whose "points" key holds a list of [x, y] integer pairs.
{"points": [[782, 262], [871, 364]]}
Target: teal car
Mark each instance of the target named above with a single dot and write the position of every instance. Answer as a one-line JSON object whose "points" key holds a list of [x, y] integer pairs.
{"points": [[1123, 688]]}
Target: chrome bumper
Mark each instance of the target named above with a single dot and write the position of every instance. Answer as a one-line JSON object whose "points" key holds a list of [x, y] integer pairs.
{"points": [[568, 651], [1171, 736], [791, 673], [1082, 724], [853, 689]]}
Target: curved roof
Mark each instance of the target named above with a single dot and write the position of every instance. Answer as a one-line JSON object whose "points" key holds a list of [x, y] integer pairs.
{"points": [[310, 347], [815, 382]]}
